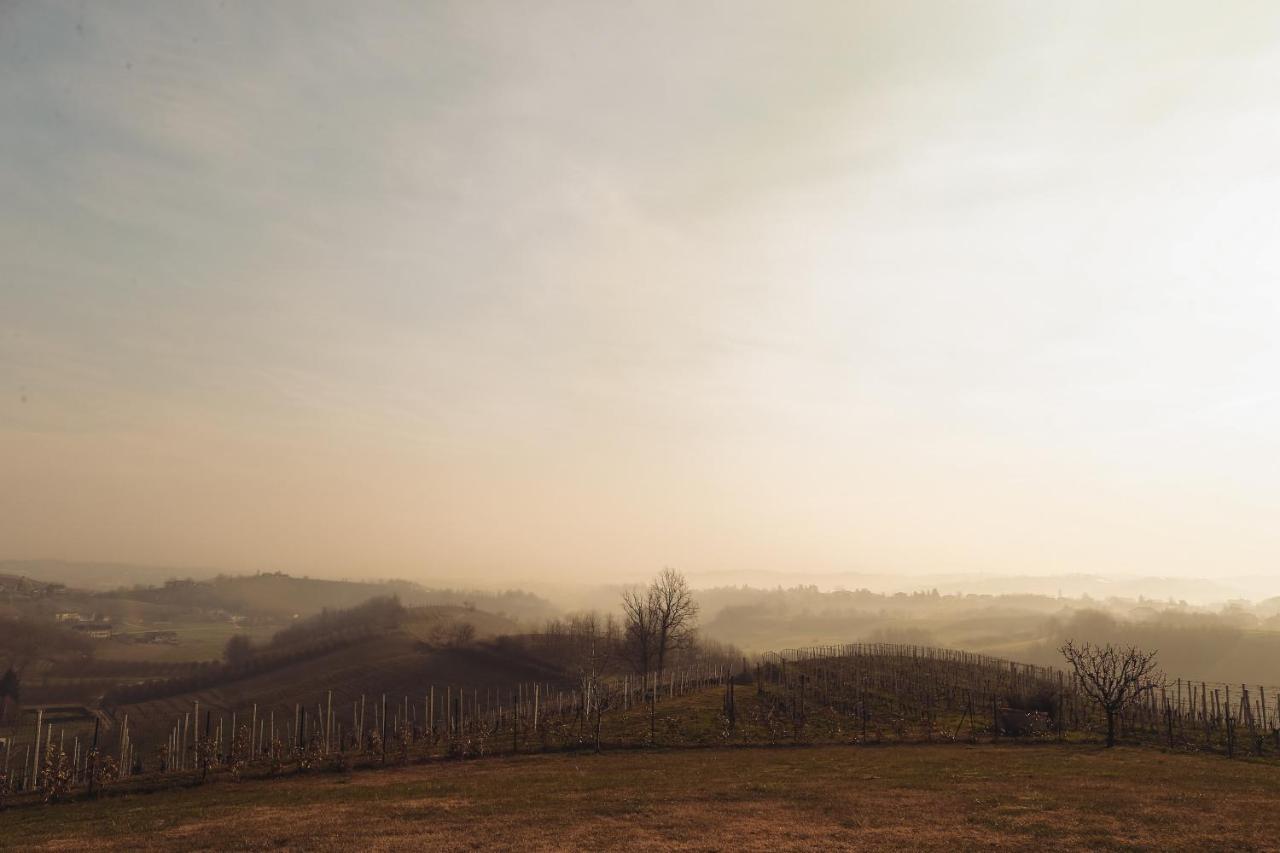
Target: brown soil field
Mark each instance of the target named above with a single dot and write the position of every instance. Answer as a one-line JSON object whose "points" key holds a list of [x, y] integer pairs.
{"points": [[901, 797]]}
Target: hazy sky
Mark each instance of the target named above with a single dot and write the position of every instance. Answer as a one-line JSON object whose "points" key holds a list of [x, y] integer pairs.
{"points": [[581, 290]]}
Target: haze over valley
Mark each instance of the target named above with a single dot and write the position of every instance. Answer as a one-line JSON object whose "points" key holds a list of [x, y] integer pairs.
{"points": [[717, 424]]}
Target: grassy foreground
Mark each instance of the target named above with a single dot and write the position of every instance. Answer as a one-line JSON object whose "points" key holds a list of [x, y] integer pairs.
{"points": [[891, 798]]}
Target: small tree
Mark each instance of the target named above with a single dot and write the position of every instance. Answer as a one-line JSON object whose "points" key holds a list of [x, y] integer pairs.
{"points": [[1113, 676], [461, 634], [238, 651], [10, 693], [591, 642], [10, 685]]}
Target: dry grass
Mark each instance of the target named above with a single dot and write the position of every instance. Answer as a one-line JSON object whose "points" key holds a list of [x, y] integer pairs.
{"points": [[903, 797]]}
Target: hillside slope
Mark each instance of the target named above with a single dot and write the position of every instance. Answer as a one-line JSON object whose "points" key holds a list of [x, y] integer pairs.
{"points": [[398, 663]]}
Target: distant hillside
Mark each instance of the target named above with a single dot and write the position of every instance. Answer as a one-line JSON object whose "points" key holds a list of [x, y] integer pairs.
{"points": [[283, 596], [274, 595], [99, 577], [1197, 591]]}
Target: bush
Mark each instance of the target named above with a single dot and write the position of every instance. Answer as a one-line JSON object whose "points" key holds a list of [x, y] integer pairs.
{"points": [[1043, 699], [238, 651]]}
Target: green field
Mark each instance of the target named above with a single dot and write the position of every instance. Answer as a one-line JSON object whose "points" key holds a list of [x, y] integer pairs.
{"points": [[197, 641], [939, 797]]}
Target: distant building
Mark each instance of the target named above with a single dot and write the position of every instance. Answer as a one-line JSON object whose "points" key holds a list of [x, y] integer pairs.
{"points": [[227, 616], [95, 630], [68, 616]]}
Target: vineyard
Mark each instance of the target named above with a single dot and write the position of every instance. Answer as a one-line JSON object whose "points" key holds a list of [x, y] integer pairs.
{"points": [[914, 692], [849, 694]]}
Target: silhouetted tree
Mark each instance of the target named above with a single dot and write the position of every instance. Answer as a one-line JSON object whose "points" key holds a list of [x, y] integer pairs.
{"points": [[1113, 676], [639, 634], [10, 685], [676, 612], [656, 621], [238, 651], [455, 636]]}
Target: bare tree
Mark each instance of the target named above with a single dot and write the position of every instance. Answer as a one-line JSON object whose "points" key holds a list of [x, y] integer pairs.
{"points": [[453, 635], [639, 633], [677, 614], [1113, 676], [658, 621]]}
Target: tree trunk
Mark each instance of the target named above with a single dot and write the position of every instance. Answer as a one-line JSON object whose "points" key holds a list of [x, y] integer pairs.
{"points": [[653, 714], [1111, 728], [598, 711]]}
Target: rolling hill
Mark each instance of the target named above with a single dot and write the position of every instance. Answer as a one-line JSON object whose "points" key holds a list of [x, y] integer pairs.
{"points": [[398, 663]]}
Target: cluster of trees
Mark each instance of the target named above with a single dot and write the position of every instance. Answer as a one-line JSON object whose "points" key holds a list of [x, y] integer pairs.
{"points": [[377, 613], [658, 623], [26, 641], [275, 595], [657, 630], [657, 620], [452, 635]]}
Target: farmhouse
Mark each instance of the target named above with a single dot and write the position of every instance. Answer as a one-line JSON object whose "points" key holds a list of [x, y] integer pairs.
{"points": [[227, 616], [68, 616], [95, 630]]}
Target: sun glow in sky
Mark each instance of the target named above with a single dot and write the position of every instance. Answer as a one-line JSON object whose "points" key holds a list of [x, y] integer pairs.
{"points": [[579, 290]]}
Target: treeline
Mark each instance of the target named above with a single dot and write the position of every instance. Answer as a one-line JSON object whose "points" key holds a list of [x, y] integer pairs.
{"points": [[582, 636], [1201, 647], [276, 595], [657, 633], [23, 641]]}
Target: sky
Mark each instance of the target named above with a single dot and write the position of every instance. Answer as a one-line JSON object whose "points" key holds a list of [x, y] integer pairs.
{"points": [[577, 291]]}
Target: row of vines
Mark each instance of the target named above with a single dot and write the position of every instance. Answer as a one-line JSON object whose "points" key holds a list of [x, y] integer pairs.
{"points": [[855, 693]]}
